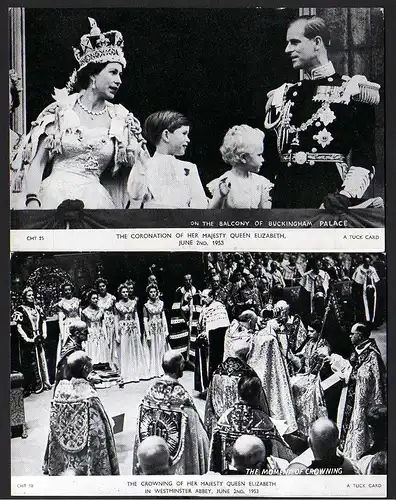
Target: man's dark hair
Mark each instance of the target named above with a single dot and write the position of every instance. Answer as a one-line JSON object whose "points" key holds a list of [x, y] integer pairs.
{"points": [[78, 363], [377, 416], [267, 313], [312, 261], [159, 121], [172, 365], [249, 388], [379, 463], [316, 324], [315, 26], [364, 330]]}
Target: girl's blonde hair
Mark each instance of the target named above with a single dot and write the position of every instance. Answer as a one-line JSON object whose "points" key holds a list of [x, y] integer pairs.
{"points": [[239, 140]]}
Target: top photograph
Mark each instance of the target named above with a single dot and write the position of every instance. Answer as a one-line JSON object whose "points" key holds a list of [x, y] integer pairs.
{"points": [[120, 116]]}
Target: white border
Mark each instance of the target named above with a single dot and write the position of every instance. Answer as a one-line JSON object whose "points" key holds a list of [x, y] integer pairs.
{"points": [[203, 486], [199, 240]]}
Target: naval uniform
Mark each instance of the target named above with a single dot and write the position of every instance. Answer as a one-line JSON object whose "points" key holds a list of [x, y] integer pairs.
{"points": [[320, 139]]}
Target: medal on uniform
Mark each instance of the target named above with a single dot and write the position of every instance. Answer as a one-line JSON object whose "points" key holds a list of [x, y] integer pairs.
{"points": [[296, 141], [326, 115], [323, 137], [327, 93]]}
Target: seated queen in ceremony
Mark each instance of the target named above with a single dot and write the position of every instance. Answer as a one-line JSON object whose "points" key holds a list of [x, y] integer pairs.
{"points": [[82, 146]]}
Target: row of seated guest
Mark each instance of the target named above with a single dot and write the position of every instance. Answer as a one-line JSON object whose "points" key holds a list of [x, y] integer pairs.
{"points": [[114, 335], [350, 446]]}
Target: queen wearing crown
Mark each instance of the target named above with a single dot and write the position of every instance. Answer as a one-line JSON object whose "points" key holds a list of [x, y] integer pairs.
{"points": [[82, 146]]}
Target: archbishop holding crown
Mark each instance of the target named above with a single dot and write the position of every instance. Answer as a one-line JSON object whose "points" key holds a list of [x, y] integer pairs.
{"points": [[321, 129], [87, 144]]}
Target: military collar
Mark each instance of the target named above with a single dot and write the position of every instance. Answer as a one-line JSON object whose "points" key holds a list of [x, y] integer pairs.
{"points": [[323, 71]]}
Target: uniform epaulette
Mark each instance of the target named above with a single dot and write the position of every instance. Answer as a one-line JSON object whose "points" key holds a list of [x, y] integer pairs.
{"points": [[275, 96], [361, 90], [369, 93]]}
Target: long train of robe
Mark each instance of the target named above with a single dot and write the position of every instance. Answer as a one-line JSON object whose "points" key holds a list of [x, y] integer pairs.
{"points": [[223, 390], [183, 325], [167, 410], [244, 419], [309, 399], [32, 354], [365, 293], [209, 346], [267, 360], [81, 439], [366, 387]]}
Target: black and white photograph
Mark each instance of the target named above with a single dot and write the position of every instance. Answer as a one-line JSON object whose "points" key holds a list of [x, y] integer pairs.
{"points": [[174, 309], [188, 363], [156, 109]]}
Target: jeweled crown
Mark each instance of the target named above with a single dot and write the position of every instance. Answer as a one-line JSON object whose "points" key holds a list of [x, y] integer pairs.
{"points": [[98, 47]]}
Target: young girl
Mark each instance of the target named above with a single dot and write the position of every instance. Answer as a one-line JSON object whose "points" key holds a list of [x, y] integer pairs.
{"points": [[242, 187], [169, 182]]}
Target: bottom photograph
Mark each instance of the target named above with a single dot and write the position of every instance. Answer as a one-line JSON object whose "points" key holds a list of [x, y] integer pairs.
{"points": [[198, 363]]}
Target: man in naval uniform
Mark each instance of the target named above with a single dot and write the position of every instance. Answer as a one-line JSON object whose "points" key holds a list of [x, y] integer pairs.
{"points": [[320, 131]]}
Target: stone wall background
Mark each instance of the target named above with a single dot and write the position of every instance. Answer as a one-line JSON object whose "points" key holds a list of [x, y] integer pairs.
{"points": [[358, 48]]}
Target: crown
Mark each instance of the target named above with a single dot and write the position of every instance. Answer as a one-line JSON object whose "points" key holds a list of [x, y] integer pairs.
{"points": [[98, 47], [14, 79]]}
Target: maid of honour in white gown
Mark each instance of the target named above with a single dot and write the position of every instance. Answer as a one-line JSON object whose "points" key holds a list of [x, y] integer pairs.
{"points": [[155, 330], [132, 357]]}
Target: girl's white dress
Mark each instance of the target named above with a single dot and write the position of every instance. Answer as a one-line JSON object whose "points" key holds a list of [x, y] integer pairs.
{"points": [[249, 192], [106, 303], [156, 329], [172, 183], [97, 344], [133, 363], [68, 313]]}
